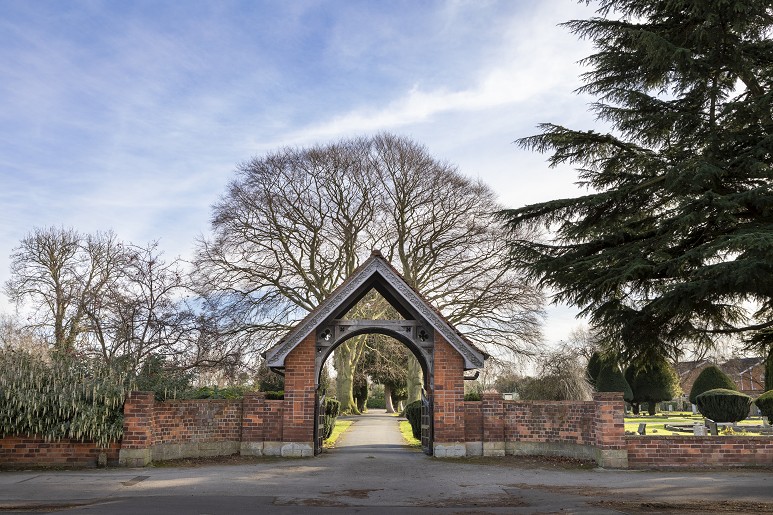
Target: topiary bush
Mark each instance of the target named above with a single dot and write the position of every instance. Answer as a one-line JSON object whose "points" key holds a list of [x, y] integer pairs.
{"points": [[723, 405], [413, 414], [611, 379], [654, 383], [711, 378], [765, 403], [332, 409]]}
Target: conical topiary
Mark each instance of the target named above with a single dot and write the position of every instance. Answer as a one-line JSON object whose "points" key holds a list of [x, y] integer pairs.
{"points": [[709, 379], [611, 379]]}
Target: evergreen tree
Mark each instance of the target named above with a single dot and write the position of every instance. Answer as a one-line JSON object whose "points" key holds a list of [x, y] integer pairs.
{"points": [[611, 379], [655, 383], [710, 378], [769, 371], [676, 232]]}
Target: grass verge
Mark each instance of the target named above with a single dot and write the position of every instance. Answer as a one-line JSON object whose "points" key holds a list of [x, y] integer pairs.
{"points": [[338, 430], [407, 432]]}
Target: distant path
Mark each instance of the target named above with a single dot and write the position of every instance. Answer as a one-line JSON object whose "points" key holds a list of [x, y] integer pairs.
{"points": [[373, 432]]}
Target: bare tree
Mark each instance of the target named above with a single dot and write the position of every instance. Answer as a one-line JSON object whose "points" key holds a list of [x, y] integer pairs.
{"points": [[296, 223], [59, 271]]}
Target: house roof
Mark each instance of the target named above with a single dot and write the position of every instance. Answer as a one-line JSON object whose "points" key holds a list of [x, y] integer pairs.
{"points": [[376, 273]]}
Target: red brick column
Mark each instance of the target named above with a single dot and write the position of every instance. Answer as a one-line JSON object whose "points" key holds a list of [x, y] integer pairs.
{"points": [[137, 430], [611, 448], [448, 401], [298, 415], [493, 424]]}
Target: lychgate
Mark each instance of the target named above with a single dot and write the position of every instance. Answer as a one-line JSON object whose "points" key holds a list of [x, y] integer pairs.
{"points": [[443, 353]]}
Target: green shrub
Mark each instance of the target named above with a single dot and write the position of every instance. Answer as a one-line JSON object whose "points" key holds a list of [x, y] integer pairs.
{"points": [[61, 397], [723, 405], [765, 403], [711, 378], [332, 409], [611, 379], [413, 414], [376, 400], [166, 382], [275, 396], [213, 392], [472, 396]]}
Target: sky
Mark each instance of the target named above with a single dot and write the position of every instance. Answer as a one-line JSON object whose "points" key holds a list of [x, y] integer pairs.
{"points": [[133, 116]]}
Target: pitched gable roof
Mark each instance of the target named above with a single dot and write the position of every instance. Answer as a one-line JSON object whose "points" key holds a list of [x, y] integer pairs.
{"points": [[376, 272]]}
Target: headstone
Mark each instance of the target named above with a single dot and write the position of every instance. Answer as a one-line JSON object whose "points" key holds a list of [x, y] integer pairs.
{"points": [[712, 427], [694, 409], [642, 429], [670, 407], [699, 429]]}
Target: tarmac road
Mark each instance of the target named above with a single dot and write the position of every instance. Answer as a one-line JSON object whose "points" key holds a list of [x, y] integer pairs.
{"points": [[371, 471]]}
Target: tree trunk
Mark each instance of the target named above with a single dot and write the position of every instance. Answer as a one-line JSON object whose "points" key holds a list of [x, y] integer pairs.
{"points": [[414, 380], [346, 357], [635, 408], [652, 407], [388, 399]]}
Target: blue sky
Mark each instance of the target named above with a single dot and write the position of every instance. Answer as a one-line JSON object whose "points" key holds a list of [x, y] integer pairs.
{"points": [[131, 116]]}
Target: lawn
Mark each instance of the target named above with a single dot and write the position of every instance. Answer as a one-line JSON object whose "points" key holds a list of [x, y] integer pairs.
{"points": [[338, 430], [656, 423]]}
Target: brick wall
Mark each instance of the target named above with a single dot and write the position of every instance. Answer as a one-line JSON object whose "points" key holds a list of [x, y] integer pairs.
{"points": [[698, 451], [157, 431], [22, 451], [536, 421], [206, 420], [261, 418]]}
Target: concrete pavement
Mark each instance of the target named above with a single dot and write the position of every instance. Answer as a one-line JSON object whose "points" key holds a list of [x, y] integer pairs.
{"points": [[371, 471]]}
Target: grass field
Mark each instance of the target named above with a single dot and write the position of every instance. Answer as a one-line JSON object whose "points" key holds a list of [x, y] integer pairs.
{"points": [[656, 423]]}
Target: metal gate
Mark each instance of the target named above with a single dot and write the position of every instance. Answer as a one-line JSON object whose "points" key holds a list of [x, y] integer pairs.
{"points": [[426, 423], [319, 421]]}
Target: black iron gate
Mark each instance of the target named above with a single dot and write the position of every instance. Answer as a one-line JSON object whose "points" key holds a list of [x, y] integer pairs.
{"points": [[426, 423], [319, 421]]}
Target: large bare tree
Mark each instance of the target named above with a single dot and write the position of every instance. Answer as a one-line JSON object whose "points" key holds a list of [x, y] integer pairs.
{"points": [[94, 294], [295, 223], [59, 272]]}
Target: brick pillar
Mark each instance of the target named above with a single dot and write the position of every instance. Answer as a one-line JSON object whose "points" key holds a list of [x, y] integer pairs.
{"points": [[611, 450], [448, 401], [137, 430], [253, 424], [298, 411], [493, 424]]}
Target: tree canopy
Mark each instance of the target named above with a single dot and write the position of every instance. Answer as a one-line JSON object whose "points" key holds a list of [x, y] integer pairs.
{"points": [[296, 222], [672, 243]]}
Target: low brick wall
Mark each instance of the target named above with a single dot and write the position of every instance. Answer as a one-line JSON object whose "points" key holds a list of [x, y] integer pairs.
{"points": [[21, 452], [587, 430], [698, 451], [158, 431]]}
